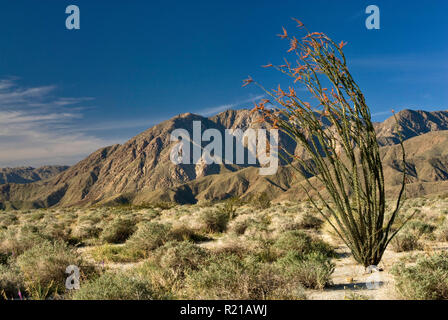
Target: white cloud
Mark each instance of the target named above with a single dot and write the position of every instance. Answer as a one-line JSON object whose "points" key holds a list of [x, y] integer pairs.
{"points": [[35, 127]]}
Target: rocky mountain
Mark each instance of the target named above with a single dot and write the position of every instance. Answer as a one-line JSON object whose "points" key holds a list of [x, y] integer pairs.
{"points": [[140, 170], [29, 174], [414, 123]]}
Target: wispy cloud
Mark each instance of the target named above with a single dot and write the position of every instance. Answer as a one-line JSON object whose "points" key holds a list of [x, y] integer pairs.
{"points": [[35, 127], [224, 107]]}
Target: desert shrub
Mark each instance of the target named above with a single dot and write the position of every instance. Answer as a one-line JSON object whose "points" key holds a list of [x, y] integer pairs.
{"points": [[214, 221], [261, 201], [165, 283], [310, 221], [115, 286], [312, 270], [179, 257], [229, 277], [16, 241], [301, 243], [406, 242], [119, 230], [426, 280], [43, 267], [87, 229], [11, 282], [149, 236], [182, 232]]}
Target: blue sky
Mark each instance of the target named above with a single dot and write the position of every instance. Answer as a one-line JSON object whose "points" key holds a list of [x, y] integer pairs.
{"points": [[65, 93]]}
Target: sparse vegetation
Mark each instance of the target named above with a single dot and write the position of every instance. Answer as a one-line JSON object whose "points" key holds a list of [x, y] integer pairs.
{"points": [[426, 280], [272, 253]]}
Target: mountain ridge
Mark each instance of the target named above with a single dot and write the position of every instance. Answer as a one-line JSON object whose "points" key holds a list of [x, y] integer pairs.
{"points": [[140, 170]]}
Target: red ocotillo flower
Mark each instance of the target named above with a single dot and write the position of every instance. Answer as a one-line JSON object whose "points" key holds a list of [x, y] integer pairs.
{"points": [[342, 44], [284, 35], [299, 23], [247, 81]]}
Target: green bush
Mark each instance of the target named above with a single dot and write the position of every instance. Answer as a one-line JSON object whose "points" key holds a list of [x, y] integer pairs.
{"points": [[229, 277], [149, 236], [43, 268], [214, 221], [426, 280], [119, 230], [312, 270], [301, 243], [179, 257], [115, 286]]}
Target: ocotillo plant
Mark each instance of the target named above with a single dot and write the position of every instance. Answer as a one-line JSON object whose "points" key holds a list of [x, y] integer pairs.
{"points": [[339, 139]]}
